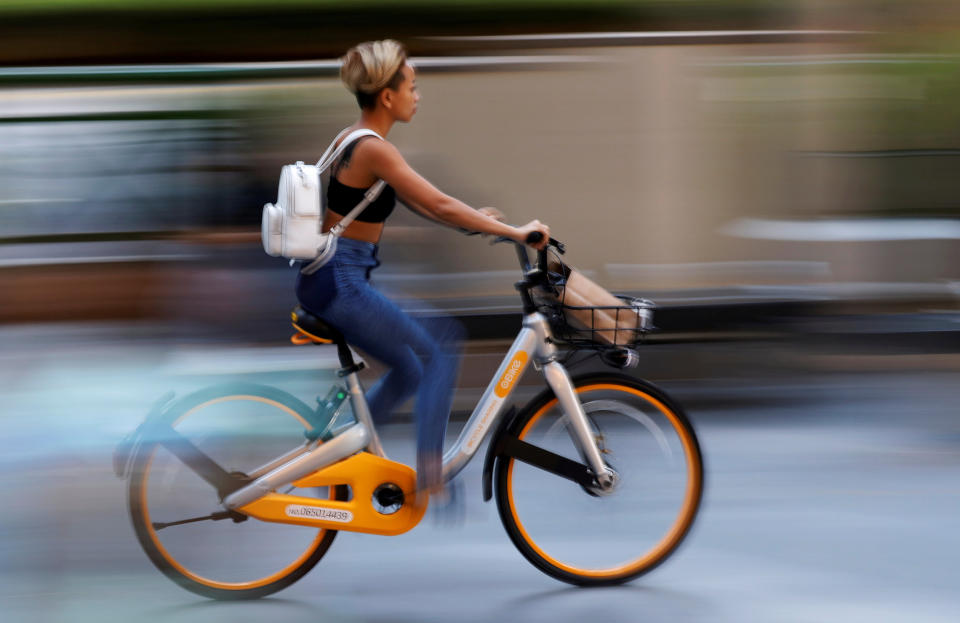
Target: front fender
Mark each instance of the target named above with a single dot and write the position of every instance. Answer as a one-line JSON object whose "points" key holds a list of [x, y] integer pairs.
{"points": [[494, 448]]}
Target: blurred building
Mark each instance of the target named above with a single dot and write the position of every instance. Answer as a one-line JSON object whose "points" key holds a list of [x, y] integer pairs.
{"points": [[734, 168]]}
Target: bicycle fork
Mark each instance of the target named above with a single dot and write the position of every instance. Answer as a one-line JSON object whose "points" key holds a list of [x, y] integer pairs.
{"points": [[578, 426]]}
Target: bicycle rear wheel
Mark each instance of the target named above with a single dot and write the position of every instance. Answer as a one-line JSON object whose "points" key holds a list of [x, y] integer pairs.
{"points": [[240, 427], [585, 538]]}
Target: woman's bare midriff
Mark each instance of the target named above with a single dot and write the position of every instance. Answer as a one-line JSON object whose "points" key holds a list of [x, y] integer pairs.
{"points": [[357, 230]]}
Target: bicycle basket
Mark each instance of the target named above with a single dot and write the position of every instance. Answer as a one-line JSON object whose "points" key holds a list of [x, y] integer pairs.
{"points": [[583, 313]]}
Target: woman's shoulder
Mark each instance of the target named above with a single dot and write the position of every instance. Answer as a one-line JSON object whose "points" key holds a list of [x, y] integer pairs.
{"points": [[368, 155], [346, 132], [374, 149]]}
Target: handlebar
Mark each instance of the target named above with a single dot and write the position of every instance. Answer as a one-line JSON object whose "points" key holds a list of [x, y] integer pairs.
{"points": [[536, 236], [533, 238], [532, 275]]}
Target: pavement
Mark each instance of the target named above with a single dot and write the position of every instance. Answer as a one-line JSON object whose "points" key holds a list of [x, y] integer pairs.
{"points": [[830, 496]]}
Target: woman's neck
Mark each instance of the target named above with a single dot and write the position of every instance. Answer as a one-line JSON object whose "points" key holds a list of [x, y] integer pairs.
{"points": [[378, 120]]}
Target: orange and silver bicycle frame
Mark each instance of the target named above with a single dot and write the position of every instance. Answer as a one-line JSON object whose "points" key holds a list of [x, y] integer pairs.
{"points": [[532, 342], [341, 461]]}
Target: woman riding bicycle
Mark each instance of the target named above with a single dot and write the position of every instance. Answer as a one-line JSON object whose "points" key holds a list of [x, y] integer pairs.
{"points": [[422, 355]]}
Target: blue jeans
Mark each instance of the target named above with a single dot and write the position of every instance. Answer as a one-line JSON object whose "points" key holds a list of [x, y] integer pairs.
{"points": [[423, 353]]}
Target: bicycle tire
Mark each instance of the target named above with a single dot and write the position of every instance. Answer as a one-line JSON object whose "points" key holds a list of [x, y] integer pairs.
{"points": [[172, 565], [534, 536]]}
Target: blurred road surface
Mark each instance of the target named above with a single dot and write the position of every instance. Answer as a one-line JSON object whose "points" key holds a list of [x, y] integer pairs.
{"points": [[829, 498]]}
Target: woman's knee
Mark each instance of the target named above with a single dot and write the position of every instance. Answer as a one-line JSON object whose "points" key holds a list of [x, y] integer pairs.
{"points": [[409, 371], [441, 367], [444, 330]]}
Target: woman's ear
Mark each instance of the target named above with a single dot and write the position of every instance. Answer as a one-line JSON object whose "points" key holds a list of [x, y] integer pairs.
{"points": [[386, 98]]}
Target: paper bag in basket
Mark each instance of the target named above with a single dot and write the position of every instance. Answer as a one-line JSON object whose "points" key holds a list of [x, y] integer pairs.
{"points": [[612, 326]]}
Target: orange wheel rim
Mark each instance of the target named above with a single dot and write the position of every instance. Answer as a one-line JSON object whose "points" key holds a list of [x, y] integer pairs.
{"points": [[232, 586], [683, 519]]}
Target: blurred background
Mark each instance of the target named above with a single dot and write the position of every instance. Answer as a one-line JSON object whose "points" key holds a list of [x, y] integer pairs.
{"points": [[779, 176]]}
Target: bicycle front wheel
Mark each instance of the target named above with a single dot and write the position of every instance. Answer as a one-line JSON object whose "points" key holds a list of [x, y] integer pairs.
{"points": [[240, 427], [601, 538]]}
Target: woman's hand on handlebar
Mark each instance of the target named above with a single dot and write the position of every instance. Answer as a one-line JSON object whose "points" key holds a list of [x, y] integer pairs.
{"points": [[523, 235], [534, 233]]}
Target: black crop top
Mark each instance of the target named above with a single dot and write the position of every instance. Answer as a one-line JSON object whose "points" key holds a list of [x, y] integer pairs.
{"points": [[342, 198]]}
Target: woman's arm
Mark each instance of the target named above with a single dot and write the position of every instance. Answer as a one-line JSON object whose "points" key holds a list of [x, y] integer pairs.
{"points": [[416, 209], [387, 164]]}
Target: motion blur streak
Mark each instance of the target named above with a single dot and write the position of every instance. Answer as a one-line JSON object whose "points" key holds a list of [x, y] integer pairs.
{"points": [[779, 177]]}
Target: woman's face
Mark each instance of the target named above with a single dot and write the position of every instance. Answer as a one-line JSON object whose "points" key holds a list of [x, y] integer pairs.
{"points": [[404, 100]]}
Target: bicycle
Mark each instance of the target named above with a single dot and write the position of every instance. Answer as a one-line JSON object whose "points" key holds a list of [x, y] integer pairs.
{"points": [[605, 449]]}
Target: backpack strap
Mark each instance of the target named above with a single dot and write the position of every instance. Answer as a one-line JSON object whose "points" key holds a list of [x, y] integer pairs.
{"points": [[333, 152], [372, 193], [369, 197], [330, 238]]}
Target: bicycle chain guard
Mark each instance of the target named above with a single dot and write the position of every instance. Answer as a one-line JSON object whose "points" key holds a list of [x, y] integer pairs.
{"points": [[364, 473]]}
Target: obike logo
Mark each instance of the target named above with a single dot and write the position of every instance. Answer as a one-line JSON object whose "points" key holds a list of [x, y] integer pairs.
{"points": [[511, 374], [315, 512]]}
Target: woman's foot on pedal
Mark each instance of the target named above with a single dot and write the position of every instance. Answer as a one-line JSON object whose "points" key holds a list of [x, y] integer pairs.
{"points": [[430, 479], [448, 507]]}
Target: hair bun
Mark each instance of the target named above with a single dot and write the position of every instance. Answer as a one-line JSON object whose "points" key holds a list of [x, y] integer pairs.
{"points": [[369, 66]]}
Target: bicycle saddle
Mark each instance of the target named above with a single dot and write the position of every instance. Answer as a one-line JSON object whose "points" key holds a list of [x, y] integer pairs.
{"points": [[312, 328]]}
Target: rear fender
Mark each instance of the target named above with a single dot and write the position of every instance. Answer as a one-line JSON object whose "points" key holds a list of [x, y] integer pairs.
{"points": [[127, 448]]}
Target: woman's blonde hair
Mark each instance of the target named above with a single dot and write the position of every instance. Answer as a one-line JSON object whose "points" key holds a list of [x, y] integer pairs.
{"points": [[368, 68]]}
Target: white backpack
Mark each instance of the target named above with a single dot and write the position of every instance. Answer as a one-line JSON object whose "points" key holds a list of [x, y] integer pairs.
{"points": [[292, 226]]}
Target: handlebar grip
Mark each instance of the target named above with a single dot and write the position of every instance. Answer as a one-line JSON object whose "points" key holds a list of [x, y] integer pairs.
{"points": [[535, 236]]}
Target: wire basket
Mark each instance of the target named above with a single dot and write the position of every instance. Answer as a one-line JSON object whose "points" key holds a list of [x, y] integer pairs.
{"points": [[602, 325], [619, 321]]}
